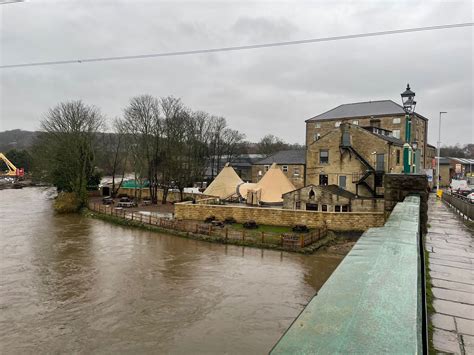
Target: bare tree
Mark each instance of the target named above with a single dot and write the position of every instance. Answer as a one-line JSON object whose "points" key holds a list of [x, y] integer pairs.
{"points": [[142, 120], [66, 147]]}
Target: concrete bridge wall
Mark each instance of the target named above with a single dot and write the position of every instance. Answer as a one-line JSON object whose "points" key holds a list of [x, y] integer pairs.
{"points": [[372, 303]]}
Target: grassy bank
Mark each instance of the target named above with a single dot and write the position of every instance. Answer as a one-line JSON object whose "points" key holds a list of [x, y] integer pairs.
{"points": [[330, 238]]}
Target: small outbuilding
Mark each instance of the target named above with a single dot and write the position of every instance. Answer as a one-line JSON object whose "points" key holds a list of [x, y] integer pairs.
{"points": [[330, 198]]}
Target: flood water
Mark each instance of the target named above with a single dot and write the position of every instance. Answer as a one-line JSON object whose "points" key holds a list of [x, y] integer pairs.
{"points": [[72, 284]]}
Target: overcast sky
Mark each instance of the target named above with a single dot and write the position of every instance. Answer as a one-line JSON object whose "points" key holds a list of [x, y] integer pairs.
{"points": [[259, 91]]}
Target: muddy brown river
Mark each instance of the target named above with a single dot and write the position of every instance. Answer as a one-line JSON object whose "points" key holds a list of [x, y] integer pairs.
{"points": [[70, 284]]}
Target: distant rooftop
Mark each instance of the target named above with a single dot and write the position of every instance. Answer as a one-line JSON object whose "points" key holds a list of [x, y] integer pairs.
{"points": [[295, 156], [362, 109]]}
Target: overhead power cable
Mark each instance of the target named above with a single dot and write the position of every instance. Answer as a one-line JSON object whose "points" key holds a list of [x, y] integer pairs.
{"points": [[239, 48]]}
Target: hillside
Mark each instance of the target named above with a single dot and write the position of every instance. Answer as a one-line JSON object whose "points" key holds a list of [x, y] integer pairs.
{"points": [[17, 139]]}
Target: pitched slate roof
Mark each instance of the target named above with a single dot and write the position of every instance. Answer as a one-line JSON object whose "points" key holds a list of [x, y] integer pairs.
{"points": [[295, 156], [362, 109]]}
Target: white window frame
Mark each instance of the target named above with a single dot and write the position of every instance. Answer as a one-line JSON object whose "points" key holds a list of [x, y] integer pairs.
{"points": [[396, 120], [396, 133], [266, 167], [317, 136], [284, 168], [337, 124], [317, 125], [355, 122]]}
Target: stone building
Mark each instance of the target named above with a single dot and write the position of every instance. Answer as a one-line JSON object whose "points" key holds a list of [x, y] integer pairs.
{"points": [[291, 162], [330, 198], [385, 115], [353, 158]]}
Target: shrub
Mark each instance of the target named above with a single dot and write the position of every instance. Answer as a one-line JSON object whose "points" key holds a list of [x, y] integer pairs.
{"points": [[67, 202], [300, 228], [230, 220], [250, 225], [210, 219]]}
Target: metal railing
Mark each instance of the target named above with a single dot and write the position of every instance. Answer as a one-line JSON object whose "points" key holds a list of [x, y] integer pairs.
{"points": [[460, 203]]}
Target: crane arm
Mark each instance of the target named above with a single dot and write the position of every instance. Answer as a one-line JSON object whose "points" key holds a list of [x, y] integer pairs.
{"points": [[11, 168]]}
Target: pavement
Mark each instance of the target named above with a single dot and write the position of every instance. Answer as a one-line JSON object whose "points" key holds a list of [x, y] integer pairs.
{"points": [[450, 244]]}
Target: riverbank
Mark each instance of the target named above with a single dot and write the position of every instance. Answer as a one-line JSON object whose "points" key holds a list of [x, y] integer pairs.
{"points": [[338, 245]]}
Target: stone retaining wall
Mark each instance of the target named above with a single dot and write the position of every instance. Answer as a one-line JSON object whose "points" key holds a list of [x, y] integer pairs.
{"points": [[399, 186], [344, 221]]}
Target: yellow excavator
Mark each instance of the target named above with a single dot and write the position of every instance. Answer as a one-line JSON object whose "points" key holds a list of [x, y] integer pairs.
{"points": [[13, 171]]}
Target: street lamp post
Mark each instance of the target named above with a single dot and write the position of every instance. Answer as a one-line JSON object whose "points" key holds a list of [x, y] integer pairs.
{"points": [[414, 146], [409, 107], [439, 149]]}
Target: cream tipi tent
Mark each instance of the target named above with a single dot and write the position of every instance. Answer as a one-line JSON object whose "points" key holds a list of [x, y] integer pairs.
{"points": [[273, 185], [225, 184]]}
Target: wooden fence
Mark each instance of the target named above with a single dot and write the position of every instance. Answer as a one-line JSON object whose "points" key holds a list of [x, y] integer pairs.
{"points": [[290, 240]]}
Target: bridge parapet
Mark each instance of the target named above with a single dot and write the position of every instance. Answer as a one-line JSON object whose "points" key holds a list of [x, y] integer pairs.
{"points": [[372, 303]]}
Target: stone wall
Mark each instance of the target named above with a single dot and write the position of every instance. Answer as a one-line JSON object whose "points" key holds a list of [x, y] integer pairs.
{"points": [[419, 129], [398, 186], [367, 205], [350, 221], [364, 142]]}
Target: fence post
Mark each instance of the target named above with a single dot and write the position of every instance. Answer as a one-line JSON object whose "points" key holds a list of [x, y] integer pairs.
{"points": [[263, 237], [197, 228], [281, 239], [132, 216], [149, 219], [302, 241], [243, 235], [210, 229]]}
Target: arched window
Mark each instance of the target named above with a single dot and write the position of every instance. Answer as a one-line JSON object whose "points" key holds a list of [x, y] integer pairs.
{"points": [[311, 195]]}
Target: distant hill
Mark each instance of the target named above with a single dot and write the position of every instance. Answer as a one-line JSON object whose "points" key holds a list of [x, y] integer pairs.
{"points": [[16, 139]]}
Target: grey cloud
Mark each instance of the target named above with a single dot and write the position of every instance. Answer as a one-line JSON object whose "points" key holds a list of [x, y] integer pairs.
{"points": [[262, 91]]}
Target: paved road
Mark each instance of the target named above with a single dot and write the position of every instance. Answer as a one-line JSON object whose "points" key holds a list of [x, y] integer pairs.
{"points": [[451, 256]]}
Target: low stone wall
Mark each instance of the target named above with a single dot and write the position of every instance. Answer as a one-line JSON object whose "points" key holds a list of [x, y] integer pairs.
{"points": [[344, 221], [367, 205]]}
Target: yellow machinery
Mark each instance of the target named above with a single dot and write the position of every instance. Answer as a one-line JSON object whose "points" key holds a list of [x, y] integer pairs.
{"points": [[12, 169]]}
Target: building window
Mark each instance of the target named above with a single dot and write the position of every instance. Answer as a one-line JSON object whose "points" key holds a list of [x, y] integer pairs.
{"points": [[323, 156], [298, 205], [396, 133], [337, 208], [342, 181], [311, 207], [323, 180], [356, 122], [317, 136], [396, 120], [337, 124], [398, 157], [285, 168], [345, 208], [266, 167], [324, 208], [296, 172], [317, 125]]}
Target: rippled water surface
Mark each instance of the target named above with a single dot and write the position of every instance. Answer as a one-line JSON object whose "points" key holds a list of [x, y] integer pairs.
{"points": [[74, 284]]}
